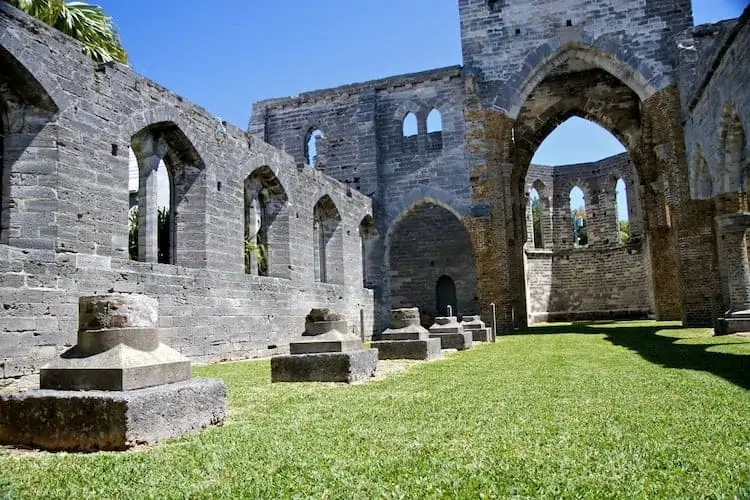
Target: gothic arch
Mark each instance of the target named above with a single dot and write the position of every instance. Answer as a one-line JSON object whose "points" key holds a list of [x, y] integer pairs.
{"points": [[166, 143], [605, 53]]}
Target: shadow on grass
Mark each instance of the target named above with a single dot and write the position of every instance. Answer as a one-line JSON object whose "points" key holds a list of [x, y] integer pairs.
{"points": [[659, 349]]}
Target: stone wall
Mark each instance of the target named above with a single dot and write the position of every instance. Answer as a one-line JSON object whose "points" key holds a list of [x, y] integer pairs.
{"points": [[67, 128], [604, 279], [715, 101], [363, 146]]}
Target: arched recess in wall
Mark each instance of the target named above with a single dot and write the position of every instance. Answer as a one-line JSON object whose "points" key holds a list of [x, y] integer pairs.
{"points": [[445, 296], [328, 242], [367, 236], [164, 152], [410, 133], [266, 217], [622, 211], [429, 241], [734, 152], [579, 231], [435, 130], [26, 111], [703, 186], [313, 141]]}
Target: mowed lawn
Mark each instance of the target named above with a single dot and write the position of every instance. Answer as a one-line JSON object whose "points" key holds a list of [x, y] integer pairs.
{"points": [[605, 410]]}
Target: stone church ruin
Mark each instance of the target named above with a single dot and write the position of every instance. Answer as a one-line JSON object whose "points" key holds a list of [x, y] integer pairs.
{"points": [[409, 191]]}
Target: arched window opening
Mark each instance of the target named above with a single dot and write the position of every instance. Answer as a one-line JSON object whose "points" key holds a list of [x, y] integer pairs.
{"points": [[435, 130], [622, 211], [168, 223], [312, 144], [536, 218], [578, 217], [266, 235], [445, 290], [410, 132], [328, 242], [367, 236]]}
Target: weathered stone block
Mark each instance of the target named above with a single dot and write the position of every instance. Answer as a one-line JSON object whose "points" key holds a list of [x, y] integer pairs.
{"points": [[352, 366], [110, 420], [426, 349], [451, 334], [460, 341]]}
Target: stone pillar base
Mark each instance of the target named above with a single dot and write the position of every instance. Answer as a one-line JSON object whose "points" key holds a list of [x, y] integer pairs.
{"points": [[350, 366], [482, 335], [427, 349], [110, 420], [460, 341], [733, 323]]}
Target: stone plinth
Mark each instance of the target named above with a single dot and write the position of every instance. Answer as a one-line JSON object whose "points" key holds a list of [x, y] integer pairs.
{"points": [[118, 387], [406, 338], [479, 331], [451, 334], [110, 420], [118, 349], [733, 323], [351, 366], [325, 353]]}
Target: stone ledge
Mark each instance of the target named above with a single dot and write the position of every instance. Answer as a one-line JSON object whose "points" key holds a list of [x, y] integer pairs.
{"points": [[110, 420], [352, 366]]}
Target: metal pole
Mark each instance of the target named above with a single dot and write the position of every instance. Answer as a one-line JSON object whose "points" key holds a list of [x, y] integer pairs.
{"points": [[450, 311], [494, 321], [362, 324]]}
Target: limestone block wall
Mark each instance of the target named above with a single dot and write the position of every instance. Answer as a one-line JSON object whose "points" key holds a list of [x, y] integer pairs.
{"points": [[67, 128], [603, 279], [716, 108]]}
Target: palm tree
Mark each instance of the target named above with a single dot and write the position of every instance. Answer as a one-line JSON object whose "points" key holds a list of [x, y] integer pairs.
{"points": [[86, 23]]}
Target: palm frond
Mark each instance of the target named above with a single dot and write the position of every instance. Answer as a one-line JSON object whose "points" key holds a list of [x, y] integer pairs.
{"points": [[85, 22]]}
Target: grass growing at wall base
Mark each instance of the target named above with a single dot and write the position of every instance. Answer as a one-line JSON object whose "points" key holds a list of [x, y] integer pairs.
{"points": [[574, 411]]}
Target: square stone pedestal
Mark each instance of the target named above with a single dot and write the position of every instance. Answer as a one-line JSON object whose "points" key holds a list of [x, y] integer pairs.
{"points": [[406, 338], [733, 323], [451, 334], [426, 349], [110, 420], [350, 366]]}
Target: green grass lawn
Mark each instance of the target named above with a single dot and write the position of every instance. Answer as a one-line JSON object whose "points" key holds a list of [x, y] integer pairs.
{"points": [[618, 410]]}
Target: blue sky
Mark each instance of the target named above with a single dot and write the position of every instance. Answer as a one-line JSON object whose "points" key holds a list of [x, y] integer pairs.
{"points": [[226, 54]]}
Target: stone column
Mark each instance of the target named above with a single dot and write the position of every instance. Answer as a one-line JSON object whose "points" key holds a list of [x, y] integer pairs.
{"points": [[148, 220], [733, 258]]}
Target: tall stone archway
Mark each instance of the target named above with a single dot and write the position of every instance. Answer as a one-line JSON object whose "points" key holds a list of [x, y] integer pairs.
{"points": [[644, 119], [27, 137]]}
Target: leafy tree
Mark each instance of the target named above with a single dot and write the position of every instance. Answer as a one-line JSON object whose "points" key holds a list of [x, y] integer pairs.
{"points": [[85, 22], [624, 231]]}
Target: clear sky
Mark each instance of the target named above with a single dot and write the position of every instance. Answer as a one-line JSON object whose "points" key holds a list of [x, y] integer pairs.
{"points": [[226, 54]]}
